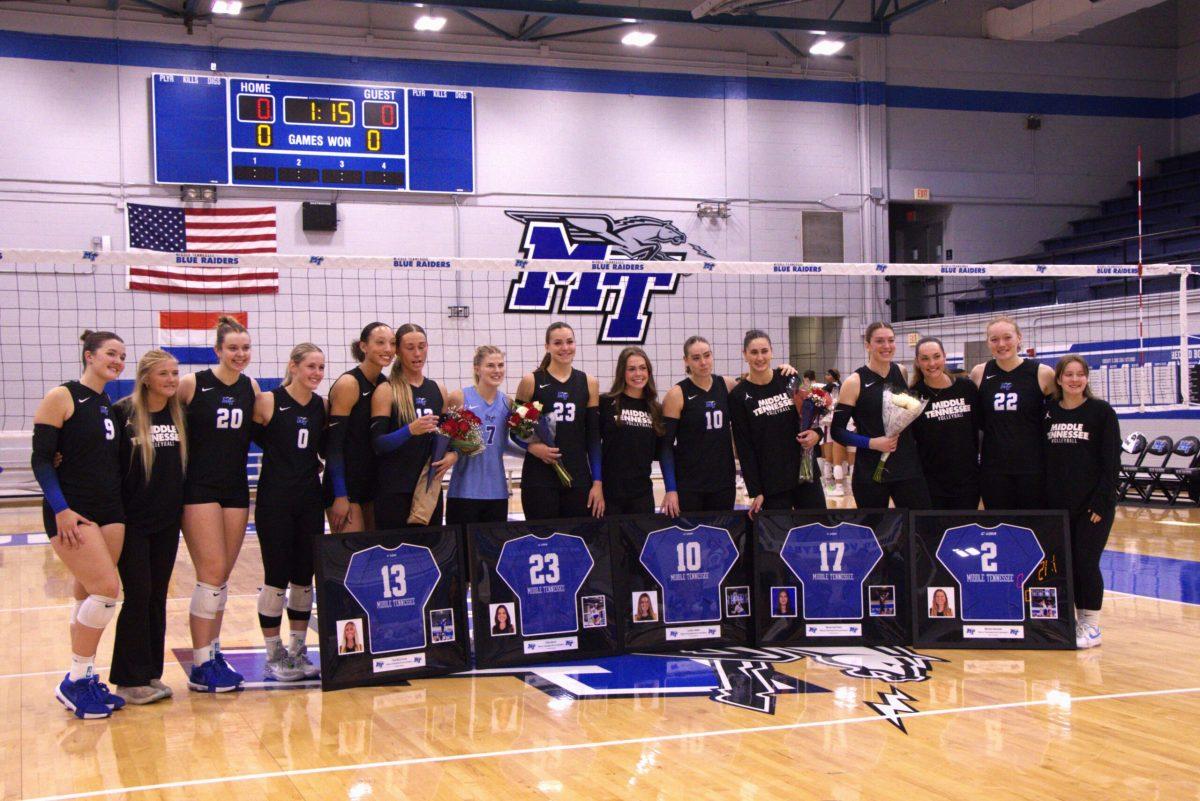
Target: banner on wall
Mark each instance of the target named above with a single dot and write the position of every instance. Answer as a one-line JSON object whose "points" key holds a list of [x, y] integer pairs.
{"points": [[838, 577], [684, 582], [542, 591], [392, 606], [992, 580]]}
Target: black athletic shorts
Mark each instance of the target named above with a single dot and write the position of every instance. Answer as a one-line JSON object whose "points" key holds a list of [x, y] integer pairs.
{"points": [[228, 499], [101, 515]]}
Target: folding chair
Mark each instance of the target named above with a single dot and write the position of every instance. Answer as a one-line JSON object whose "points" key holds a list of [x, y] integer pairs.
{"points": [[1143, 479], [1174, 480], [1135, 446]]}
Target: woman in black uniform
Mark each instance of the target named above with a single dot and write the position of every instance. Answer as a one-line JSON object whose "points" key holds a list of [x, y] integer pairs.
{"points": [[216, 494], [153, 460], [403, 411], [573, 397], [82, 509], [1083, 459], [861, 399], [349, 484], [631, 424], [766, 430], [947, 432], [288, 423], [1012, 401], [697, 449]]}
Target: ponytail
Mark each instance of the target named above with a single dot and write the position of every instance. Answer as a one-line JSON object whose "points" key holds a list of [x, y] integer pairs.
{"points": [[297, 356], [402, 394], [357, 351]]}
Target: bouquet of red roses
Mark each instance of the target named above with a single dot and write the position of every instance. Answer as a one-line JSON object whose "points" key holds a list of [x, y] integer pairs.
{"points": [[464, 429], [528, 423], [812, 402]]}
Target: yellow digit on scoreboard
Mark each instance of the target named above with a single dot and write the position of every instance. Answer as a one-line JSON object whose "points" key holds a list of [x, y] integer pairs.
{"points": [[262, 135], [373, 139], [344, 115]]}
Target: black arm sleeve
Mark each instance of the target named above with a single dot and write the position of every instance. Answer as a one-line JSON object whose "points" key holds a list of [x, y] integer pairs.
{"points": [[666, 452], [335, 455], [1104, 497], [744, 442]]}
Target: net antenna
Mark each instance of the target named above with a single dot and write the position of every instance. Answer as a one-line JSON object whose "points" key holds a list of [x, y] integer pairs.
{"points": [[1141, 321]]}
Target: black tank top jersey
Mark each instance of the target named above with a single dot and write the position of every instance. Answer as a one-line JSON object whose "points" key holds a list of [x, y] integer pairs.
{"points": [[291, 464], [868, 421], [567, 401], [947, 435], [399, 470], [629, 445], [158, 503], [90, 471], [703, 444], [218, 422], [765, 424], [358, 457], [1011, 408]]}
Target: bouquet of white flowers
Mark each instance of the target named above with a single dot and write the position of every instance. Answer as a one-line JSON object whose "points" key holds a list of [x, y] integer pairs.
{"points": [[899, 410]]}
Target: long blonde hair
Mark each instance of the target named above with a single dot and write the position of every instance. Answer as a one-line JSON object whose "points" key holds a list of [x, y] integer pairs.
{"points": [[140, 411], [297, 356], [402, 394]]}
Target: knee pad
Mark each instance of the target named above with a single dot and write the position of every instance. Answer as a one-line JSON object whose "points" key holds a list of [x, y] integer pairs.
{"points": [[96, 611], [270, 606], [223, 598], [206, 601], [299, 602], [75, 611]]}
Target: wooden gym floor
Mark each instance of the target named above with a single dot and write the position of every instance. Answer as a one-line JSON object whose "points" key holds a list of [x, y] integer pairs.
{"points": [[1121, 721]]}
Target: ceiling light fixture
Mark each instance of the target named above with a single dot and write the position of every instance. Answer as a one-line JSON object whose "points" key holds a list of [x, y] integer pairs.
{"points": [[230, 7], [826, 47], [428, 23], [638, 38]]}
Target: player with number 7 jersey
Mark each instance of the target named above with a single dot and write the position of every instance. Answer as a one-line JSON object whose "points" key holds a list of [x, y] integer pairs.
{"points": [[546, 573]]}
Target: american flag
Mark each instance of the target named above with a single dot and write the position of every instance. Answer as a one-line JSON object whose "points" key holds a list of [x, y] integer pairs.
{"points": [[224, 231]]}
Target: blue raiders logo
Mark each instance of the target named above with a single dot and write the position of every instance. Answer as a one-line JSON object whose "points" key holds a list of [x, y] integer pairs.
{"points": [[622, 297], [739, 676]]}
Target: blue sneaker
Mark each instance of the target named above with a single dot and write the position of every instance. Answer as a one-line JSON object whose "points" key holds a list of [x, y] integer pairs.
{"points": [[224, 667], [210, 678], [111, 700], [82, 697]]}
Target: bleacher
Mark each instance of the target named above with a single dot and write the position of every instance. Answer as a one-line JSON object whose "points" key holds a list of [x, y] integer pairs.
{"points": [[1170, 234]]}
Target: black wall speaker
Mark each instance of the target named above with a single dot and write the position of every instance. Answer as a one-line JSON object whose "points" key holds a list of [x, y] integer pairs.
{"points": [[320, 216]]}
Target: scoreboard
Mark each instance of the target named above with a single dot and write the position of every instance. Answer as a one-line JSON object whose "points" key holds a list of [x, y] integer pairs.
{"points": [[263, 132]]}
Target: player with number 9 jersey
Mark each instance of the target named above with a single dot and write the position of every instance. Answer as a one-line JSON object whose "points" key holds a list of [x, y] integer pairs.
{"points": [[832, 563], [393, 586], [546, 573], [690, 565], [991, 566]]}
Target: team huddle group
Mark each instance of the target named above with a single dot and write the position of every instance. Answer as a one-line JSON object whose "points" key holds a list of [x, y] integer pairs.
{"points": [[120, 480]]}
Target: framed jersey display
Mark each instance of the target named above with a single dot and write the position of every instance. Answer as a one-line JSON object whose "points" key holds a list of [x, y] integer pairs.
{"points": [[992, 580], [836, 577], [684, 582], [542, 591], [392, 606]]}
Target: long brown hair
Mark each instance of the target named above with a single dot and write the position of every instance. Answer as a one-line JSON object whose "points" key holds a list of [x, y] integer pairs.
{"points": [[93, 341], [649, 394], [1061, 368], [297, 356], [402, 394], [917, 375], [550, 330], [139, 402]]}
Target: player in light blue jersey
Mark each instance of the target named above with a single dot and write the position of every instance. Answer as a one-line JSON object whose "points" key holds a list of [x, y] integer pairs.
{"points": [[478, 486]]}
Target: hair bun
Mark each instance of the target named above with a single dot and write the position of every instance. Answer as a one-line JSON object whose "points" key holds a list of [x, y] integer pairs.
{"points": [[226, 319], [87, 332]]}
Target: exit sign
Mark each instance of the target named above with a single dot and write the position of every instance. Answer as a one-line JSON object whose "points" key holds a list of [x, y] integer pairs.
{"points": [[920, 193]]}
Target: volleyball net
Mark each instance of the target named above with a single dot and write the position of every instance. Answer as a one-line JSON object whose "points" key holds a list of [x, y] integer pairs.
{"points": [[815, 314]]}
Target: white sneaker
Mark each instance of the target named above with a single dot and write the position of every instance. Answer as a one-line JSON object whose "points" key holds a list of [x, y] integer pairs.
{"points": [[1086, 636], [281, 667], [301, 661]]}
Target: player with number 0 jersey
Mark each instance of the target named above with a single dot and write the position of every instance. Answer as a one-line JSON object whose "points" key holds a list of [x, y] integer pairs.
{"points": [[1012, 401], [216, 494], [288, 423]]}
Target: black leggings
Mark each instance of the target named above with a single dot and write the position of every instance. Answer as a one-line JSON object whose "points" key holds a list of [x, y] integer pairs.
{"points": [[392, 508], [960, 499], [637, 505], [147, 560], [472, 510], [1087, 544], [286, 534], [713, 501], [908, 493], [548, 503], [808, 495], [1005, 491]]}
